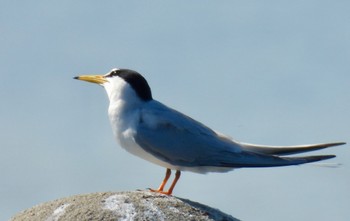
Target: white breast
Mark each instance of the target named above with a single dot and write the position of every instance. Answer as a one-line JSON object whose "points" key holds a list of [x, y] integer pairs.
{"points": [[124, 125]]}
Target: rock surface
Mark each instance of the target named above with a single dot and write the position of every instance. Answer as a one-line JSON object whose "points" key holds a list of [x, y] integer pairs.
{"points": [[108, 206]]}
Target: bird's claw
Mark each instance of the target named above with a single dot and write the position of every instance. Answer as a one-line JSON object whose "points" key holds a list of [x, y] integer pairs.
{"points": [[160, 191]]}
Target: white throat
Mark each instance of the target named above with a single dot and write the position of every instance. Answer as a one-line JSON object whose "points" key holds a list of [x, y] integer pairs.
{"points": [[124, 107]]}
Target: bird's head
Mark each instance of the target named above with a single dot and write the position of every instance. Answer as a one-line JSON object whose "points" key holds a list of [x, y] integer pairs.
{"points": [[121, 83]]}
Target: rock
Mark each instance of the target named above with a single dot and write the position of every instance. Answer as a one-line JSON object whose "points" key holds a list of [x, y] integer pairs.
{"points": [[108, 206]]}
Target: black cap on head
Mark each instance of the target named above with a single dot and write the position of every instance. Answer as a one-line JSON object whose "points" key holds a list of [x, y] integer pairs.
{"points": [[136, 81]]}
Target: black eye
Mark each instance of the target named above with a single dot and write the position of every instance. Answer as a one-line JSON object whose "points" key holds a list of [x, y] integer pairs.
{"points": [[112, 73]]}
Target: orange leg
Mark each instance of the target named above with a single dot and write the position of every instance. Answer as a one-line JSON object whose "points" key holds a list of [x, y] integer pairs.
{"points": [[167, 175], [177, 177], [162, 185]]}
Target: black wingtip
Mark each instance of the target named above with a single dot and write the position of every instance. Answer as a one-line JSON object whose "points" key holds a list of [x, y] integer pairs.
{"points": [[337, 144], [311, 159]]}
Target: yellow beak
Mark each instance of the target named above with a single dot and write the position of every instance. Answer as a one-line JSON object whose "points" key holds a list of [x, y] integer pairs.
{"points": [[97, 79]]}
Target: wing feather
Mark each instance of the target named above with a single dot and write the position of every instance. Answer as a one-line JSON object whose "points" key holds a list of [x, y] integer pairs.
{"points": [[178, 139], [181, 141]]}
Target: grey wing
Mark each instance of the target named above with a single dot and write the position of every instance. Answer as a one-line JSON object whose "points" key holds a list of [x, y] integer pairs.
{"points": [[179, 140]]}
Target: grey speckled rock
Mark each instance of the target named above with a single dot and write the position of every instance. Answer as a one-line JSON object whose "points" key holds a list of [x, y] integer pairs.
{"points": [[137, 205]]}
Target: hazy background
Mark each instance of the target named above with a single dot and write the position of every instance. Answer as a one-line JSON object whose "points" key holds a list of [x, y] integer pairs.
{"points": [[269, 72]]}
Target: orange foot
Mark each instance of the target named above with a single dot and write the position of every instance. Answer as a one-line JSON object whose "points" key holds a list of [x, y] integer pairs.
{"points": [[160, 191], [161, 187]]}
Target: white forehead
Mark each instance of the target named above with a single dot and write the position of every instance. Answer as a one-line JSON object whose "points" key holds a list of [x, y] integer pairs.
{"points": [[114, 69]]}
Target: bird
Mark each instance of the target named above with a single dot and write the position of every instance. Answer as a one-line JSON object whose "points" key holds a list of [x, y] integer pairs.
{"points": [[164, 136]]}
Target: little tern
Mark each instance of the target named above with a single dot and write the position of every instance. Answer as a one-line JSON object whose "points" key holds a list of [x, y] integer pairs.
{"points": [[157, 133]]}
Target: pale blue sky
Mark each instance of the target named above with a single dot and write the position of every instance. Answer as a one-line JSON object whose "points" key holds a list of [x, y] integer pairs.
{"points": [[268, 72]]}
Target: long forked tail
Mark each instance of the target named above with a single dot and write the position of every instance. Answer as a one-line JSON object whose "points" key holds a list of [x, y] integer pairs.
{"points": [[272, 156], [286, 150], [251, 159], [308, 159]]}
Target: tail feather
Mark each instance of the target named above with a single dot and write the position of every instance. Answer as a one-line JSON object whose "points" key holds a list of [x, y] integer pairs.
{"points": [[250, 159], [286, 150], [308, 159]]}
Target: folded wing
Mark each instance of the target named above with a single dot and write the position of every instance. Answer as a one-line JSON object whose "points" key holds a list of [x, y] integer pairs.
{"points": [[181, 141]]}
